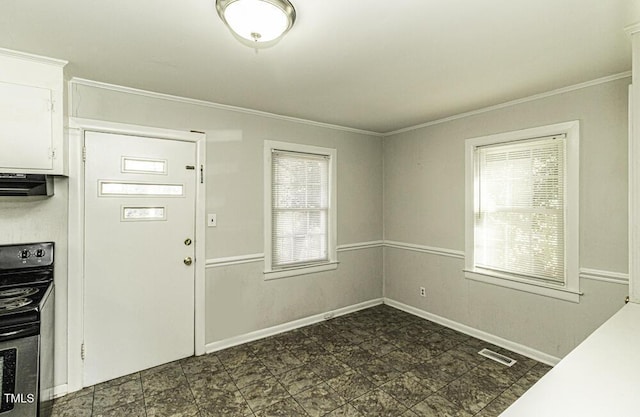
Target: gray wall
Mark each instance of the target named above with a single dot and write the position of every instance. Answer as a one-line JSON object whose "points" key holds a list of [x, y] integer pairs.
{"points": [[238, 300], [424, 205], [423, 182]]}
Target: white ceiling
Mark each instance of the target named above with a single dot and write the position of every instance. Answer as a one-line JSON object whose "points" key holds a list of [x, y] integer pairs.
{"points": [[375, 65]]}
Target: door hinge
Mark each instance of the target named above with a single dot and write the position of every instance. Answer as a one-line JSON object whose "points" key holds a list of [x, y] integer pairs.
{"points": [[201, 174], [82, 351], [84, 154], [52, 153]]}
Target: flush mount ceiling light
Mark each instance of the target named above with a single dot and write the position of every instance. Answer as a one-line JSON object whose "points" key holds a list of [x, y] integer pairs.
{"points": [[259, 22]]}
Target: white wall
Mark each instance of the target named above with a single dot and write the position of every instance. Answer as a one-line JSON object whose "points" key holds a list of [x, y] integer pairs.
{"points": [[238, 300], [424, 204]]}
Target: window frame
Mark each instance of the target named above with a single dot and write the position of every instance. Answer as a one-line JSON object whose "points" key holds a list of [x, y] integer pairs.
{"points": [[570, 289], [332, 262]]}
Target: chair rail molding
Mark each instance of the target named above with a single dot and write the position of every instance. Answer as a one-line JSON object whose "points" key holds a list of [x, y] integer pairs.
{"points": [[259, 257]]}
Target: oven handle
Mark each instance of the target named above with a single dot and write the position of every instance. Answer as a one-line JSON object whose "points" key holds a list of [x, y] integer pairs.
{"points": [[15, 334]]}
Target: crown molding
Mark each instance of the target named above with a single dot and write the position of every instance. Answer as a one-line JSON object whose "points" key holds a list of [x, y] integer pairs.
{"points": [[32, 57], [633, 28], [204, 103], [534, 97]]}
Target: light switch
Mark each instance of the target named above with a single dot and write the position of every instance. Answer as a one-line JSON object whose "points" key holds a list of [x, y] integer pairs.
{"points": [[212, 220]]}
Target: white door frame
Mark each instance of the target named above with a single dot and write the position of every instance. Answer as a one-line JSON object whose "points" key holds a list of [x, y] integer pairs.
{"points": [[75, 297], [634, 167]]}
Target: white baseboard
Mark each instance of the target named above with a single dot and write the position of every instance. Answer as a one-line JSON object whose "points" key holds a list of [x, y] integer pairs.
{"points": [[285, 327], [479, 334], [60, 390]]}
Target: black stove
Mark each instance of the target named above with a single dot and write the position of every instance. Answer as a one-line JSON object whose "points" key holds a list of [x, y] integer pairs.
{"points": [[26, 329]]}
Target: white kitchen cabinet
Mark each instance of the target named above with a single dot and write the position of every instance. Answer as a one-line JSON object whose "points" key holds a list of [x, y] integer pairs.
{"points": [[31, 114]]}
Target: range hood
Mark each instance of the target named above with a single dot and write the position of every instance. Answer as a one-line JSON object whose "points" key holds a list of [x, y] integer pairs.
{"points": [[25, 185]]}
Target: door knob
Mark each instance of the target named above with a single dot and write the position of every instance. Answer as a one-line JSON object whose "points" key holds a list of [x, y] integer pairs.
{"points": [[188, 260]]}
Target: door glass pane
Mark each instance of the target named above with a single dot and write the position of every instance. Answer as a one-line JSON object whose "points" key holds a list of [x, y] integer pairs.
{"points": [[140, 189], [143, 213], [147, 166]]}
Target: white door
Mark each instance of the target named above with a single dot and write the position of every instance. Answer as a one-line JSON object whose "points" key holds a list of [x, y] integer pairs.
{"points": [[139, 228]]}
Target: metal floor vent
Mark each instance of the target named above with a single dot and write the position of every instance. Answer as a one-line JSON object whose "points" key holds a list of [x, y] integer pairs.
{"points": [[497, 357]]}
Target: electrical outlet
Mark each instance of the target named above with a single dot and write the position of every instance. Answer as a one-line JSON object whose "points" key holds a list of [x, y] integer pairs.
{"points": [[423, 292]]}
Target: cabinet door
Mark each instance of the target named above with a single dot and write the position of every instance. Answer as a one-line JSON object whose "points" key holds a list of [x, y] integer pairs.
{"points": [[25, 127]]}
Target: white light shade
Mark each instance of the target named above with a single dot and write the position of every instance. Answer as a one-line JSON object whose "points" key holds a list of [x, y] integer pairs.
{"points": [[257, 20]]}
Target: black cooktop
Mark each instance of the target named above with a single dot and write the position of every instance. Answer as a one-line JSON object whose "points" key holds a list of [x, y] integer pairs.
{"points": [[26, 278]]}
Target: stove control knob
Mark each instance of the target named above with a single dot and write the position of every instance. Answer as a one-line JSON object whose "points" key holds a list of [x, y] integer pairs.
{"points": [[24, 253], [40, 253]]}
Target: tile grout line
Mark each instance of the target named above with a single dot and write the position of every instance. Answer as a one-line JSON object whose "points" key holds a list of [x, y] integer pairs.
{"points": [[190, 390], [144, 399], [351, 341], [236, 385], [292, 397], [289, 392], [93, 399]]}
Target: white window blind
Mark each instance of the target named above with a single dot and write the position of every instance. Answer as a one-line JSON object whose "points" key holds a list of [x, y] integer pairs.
{"points": [[520, 208], [300, 208]]}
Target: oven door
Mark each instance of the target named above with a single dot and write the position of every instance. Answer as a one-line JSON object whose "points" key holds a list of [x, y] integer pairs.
{"points": [[19, 372]]}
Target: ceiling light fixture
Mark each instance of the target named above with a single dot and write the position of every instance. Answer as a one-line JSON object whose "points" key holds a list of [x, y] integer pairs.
{"points": [[258, 23]]}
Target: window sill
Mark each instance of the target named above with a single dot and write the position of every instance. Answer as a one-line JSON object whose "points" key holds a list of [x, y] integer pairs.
{"points": [[301, 270], [539, 288]]}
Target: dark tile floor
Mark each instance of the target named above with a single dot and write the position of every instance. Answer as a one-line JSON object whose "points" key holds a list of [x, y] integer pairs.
{"points": [[375, 362]]}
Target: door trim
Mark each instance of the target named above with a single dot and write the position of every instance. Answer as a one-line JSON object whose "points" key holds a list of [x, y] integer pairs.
{"points": [[75, 295]]}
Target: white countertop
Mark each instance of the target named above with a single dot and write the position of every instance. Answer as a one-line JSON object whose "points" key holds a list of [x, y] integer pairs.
{"points": [[600, 377]]}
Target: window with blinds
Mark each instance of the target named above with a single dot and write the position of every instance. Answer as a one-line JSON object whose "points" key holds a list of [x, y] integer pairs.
{"points": [[519, 215], [299, 208]]}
